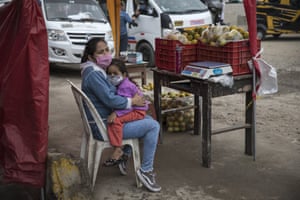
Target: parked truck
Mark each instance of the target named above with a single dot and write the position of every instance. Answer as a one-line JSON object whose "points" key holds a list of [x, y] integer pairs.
{"points": [[161, 17], [276, 17]]}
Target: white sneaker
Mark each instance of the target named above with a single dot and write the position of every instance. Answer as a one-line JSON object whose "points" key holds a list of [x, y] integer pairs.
{"points": [[148, 180]]}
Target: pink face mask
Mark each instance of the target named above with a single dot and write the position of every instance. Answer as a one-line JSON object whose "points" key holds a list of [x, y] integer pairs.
{"points": [[104, 60]]}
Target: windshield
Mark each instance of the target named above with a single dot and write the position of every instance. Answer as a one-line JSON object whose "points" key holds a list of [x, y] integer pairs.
{"points": [[181, 6], [74, 10]]}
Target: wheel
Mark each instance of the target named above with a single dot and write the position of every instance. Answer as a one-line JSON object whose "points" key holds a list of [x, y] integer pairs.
{"points": [[274, 1], [148, 53], [276, 35], [261, 33]]}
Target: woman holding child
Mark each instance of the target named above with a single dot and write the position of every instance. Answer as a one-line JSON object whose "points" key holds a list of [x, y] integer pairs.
{"points": [[102, 93]]}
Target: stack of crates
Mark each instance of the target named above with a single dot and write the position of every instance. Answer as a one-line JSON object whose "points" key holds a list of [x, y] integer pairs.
{"points": [[172, 55]]}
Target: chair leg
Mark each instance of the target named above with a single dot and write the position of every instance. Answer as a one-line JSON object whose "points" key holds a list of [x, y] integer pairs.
{"points": [[91, 156], [83, 147], [136, 160], [97, 159], [86, 153]]}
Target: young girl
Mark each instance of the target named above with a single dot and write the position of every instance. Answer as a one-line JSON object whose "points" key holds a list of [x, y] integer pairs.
{"points": [[118, 76]]}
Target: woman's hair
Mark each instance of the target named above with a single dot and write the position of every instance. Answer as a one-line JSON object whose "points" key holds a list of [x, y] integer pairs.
{"points": [[90, 48], [122, 67]]}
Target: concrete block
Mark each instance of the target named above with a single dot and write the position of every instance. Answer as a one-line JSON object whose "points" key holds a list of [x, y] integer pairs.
{"points": [[67, 178]]}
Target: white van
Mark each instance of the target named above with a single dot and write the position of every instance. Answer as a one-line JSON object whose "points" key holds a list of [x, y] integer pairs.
{"points": [[70, 24], [3, 2], [163, 16]]}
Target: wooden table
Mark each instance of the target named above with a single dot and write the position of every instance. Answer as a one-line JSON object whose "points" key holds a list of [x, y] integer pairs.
{"points": [[138, 70], [207, 90]]}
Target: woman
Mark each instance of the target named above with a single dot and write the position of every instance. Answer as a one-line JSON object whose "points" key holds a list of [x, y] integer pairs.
{"points": [[102, 93]]}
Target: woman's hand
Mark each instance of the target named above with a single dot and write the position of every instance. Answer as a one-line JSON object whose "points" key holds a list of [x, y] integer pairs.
{"points": [[138, 100], [111, 117]]}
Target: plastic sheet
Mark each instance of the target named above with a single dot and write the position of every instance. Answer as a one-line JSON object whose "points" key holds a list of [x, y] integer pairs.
{"points": [[24, 92]]}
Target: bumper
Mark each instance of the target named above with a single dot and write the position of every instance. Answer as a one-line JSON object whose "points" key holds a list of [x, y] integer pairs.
{"points": [[67, 53]]}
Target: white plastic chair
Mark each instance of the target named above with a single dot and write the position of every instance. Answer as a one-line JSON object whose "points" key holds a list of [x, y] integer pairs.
{"points": [[91, 149]]}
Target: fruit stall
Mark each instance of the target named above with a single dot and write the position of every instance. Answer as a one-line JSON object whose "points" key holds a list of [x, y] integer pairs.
{"points": [[229, 44], [184, 103], [224, 44]]}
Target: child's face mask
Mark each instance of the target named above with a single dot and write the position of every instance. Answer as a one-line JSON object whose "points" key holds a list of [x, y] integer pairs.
{"points": [[104, 60], [115, 80]]}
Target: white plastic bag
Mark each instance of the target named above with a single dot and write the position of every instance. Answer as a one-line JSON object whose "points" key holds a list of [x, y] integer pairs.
{"points": [[225, 80], [268, 79]]}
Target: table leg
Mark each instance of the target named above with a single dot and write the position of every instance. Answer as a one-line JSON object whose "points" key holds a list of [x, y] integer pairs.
{"points": [[249, 120], [197, 115], [157, 103], [144, 77], [206, 131]]}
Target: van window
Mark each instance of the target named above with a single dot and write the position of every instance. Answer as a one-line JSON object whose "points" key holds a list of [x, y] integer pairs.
{"points": [[144, 8], [74, 10], [180, 6]]}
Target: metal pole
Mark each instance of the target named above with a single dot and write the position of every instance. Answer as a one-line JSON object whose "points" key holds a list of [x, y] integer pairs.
{"points": [[42, 193], [254, 112]]}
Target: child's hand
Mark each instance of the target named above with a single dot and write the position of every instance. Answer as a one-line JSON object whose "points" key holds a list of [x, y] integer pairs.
{"points": [[111, 117]]}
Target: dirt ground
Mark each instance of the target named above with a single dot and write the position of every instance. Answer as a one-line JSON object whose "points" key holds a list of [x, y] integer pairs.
{"points": [[274, 175]]}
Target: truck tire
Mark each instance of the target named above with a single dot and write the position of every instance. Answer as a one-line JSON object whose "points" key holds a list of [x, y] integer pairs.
{"points": [[276, 35], [261, 32], [148, 53]]}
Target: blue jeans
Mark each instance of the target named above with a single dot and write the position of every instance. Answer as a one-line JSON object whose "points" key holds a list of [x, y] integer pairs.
{"points": [[124, 42], [146, 129]]}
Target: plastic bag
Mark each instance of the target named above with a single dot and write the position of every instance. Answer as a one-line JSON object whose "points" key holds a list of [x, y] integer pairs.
{"points": [[225, 80], [268, 80]]}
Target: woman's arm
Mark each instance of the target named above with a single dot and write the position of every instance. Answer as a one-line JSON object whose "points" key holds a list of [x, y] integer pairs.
{"points": [[127, 18], [105, 92]]}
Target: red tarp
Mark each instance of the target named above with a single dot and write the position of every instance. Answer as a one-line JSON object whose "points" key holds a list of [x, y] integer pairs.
{"points": [[24, 92], [250, 10]]}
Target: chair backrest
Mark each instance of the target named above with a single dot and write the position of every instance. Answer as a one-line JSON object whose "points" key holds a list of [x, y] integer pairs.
{"points": [[81, 100]]}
